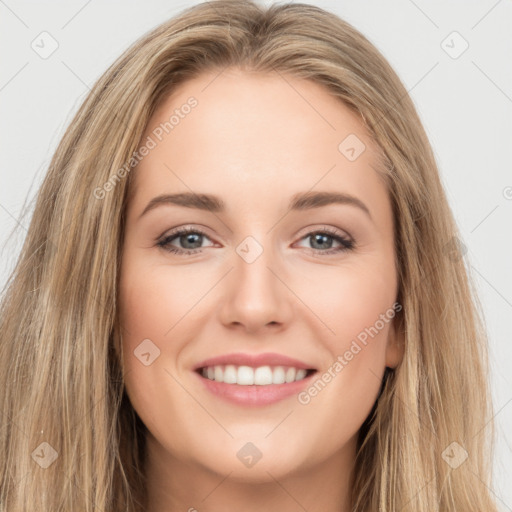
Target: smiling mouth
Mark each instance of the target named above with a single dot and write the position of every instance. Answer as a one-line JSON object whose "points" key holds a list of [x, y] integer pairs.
{"points": [[250, 376]]}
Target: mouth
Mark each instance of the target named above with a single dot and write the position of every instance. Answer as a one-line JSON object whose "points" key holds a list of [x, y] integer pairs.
{"points": [[254, 380], [243, 375]]}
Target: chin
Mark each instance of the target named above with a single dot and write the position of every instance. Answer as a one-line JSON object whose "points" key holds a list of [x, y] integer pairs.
{"points": [[254, 461]]}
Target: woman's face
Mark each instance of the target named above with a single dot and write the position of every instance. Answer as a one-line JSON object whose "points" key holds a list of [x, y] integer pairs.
{"points": [[276, 278]]}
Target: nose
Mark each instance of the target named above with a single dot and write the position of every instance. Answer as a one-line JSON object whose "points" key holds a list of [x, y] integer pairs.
{"points": [[256, 297]]}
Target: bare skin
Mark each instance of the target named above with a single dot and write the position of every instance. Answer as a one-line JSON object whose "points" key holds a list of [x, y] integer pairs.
{"points": [[254, 141]]}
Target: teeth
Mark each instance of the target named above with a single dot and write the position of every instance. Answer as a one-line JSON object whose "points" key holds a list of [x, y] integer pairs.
{"points": [[260, 376], [230, 374], [290, 374], [300, 374], [244, 376]]}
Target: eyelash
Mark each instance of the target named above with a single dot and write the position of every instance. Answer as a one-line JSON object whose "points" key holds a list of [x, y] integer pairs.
{"points": [[346, 243]]}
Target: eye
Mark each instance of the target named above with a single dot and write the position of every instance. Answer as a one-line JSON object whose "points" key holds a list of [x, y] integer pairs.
{"points": [[322, 241], [191, 238], [191, 241]]}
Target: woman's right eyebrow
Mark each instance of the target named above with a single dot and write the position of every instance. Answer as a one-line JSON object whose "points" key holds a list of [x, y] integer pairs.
{"points": [[189, 200], [300, 201]]}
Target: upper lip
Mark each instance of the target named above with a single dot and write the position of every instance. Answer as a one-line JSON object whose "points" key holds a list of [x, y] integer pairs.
{"points": [[254, 360]]}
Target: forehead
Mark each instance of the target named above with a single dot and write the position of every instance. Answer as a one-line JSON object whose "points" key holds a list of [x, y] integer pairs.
{"points": [[251, 133]]}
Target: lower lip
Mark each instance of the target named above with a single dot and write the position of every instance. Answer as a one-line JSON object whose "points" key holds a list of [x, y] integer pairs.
{"points": [[255, 395]]}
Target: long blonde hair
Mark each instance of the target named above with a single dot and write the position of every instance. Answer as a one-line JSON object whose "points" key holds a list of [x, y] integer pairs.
{"points": [[70, 439]]}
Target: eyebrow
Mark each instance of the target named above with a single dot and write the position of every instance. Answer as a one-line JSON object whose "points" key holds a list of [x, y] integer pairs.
{"points": [[299, 202]]}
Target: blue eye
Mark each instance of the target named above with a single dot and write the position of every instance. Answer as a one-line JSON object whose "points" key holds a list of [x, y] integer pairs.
{"points": [[186, 236], [325, 238], [192, 239]]}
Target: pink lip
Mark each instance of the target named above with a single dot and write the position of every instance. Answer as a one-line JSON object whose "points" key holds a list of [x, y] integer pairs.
{"points": [[254, 395], [254, 360]]}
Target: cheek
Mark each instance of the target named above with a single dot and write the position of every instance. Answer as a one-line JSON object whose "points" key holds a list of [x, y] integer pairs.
{"points": [[148, 308], [350, 301], [153, 300], [356, 304], [161, 304]]}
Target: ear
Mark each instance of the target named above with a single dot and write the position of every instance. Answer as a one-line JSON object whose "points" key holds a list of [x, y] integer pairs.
{"points": [[396, 342]]}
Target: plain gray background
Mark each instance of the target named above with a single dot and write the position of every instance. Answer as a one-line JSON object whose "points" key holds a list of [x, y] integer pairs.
{"points": [[463, 96]]}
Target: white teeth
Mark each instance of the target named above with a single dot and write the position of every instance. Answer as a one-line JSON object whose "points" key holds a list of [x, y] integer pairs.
{"points": [[300, 374], [244, 376], [278, 376], [230, 374], [290, 374], [260, 376], [263, 376]]}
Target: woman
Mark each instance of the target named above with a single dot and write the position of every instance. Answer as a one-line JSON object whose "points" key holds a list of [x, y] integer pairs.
{"points": [[139, 373]]}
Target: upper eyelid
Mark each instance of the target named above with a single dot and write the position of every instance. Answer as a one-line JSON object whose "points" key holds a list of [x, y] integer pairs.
{"points": [[183, 230], [193, 229]]}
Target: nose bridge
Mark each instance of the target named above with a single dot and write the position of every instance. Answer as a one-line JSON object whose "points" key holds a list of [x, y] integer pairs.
{"points": [[256, 297], [253, 258]]}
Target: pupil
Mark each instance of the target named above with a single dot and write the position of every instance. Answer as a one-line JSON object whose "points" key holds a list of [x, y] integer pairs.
{"points": [[189, 237], [320, 238]]}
